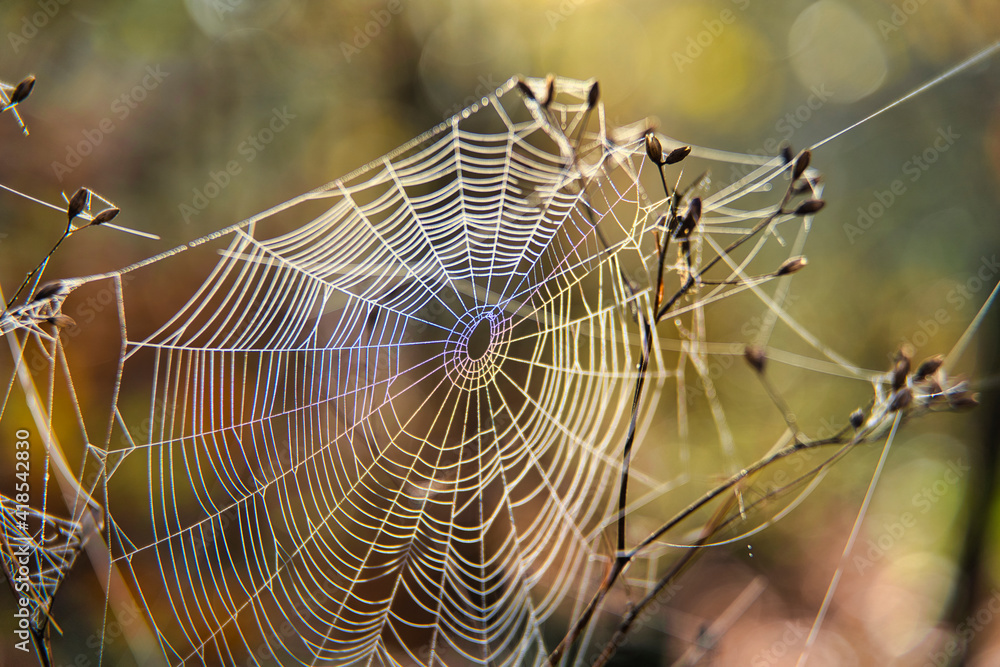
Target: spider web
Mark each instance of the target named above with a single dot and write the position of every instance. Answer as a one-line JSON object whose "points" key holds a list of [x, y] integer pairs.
{"points": [[392, 435], [408, 406]]}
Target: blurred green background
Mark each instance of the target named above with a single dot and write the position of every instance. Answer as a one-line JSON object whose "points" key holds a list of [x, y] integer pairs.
{"points": [[144, 102]]}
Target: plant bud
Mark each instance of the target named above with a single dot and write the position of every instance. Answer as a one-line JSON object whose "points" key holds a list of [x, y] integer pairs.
{"points": [[48, 290], [755, 357], [801, 164], [653, 148], [810, 207], [22, 90], [927, 367], [677, 155], [61, 321], [963, 401], [901, 399], [792, 265], [77, 203], [107, 215]]}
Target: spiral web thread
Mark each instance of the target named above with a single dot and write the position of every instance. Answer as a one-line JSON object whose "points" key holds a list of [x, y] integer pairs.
{"points": [[392, 435]]}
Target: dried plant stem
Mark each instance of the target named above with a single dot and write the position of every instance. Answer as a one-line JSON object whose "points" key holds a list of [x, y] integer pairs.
{"points": [[633, 614], [624, 557], [37, 270], [121, 602], [693, 278]]}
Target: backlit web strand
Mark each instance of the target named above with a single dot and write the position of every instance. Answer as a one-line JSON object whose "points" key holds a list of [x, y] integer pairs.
{"points": [[393, 428]]}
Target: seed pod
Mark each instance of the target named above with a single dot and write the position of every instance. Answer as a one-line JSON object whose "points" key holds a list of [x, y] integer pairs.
{"points": [[593, 95], [810, 207], [107, 215], [963, 401], [677, 155], [901, 366], [755, 357], [927, 367], [801, 164], [22, 90], [48, 290], [61, 321], [653, 148], [857, 418], [77, 203], [791, 265], [786, 153], [690, 219], [901, 399], [694, 209]]}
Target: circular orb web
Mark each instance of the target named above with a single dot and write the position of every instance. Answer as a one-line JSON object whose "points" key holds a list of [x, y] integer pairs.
{"points": [[388, 434]]}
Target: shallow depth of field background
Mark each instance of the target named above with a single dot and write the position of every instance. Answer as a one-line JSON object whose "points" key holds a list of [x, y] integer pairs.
{"points": [[187, 88]]}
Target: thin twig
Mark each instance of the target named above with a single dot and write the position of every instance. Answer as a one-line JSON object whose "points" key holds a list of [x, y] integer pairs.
{"points": [[623, 558], [694, 278]]}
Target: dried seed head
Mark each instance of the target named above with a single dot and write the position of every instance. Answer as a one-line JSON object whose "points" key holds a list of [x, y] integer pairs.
{"points": [[677, 155], [48, 290], [857, 419], [927, 367], [593, 95], [61, 321], [901, 399], [653, 148], [801, 164], [792, 265], [22, 90], [107, 215], [77, 203], [963, 400], [694, 209], [899, 371], [755, 357], [810, 207]]}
